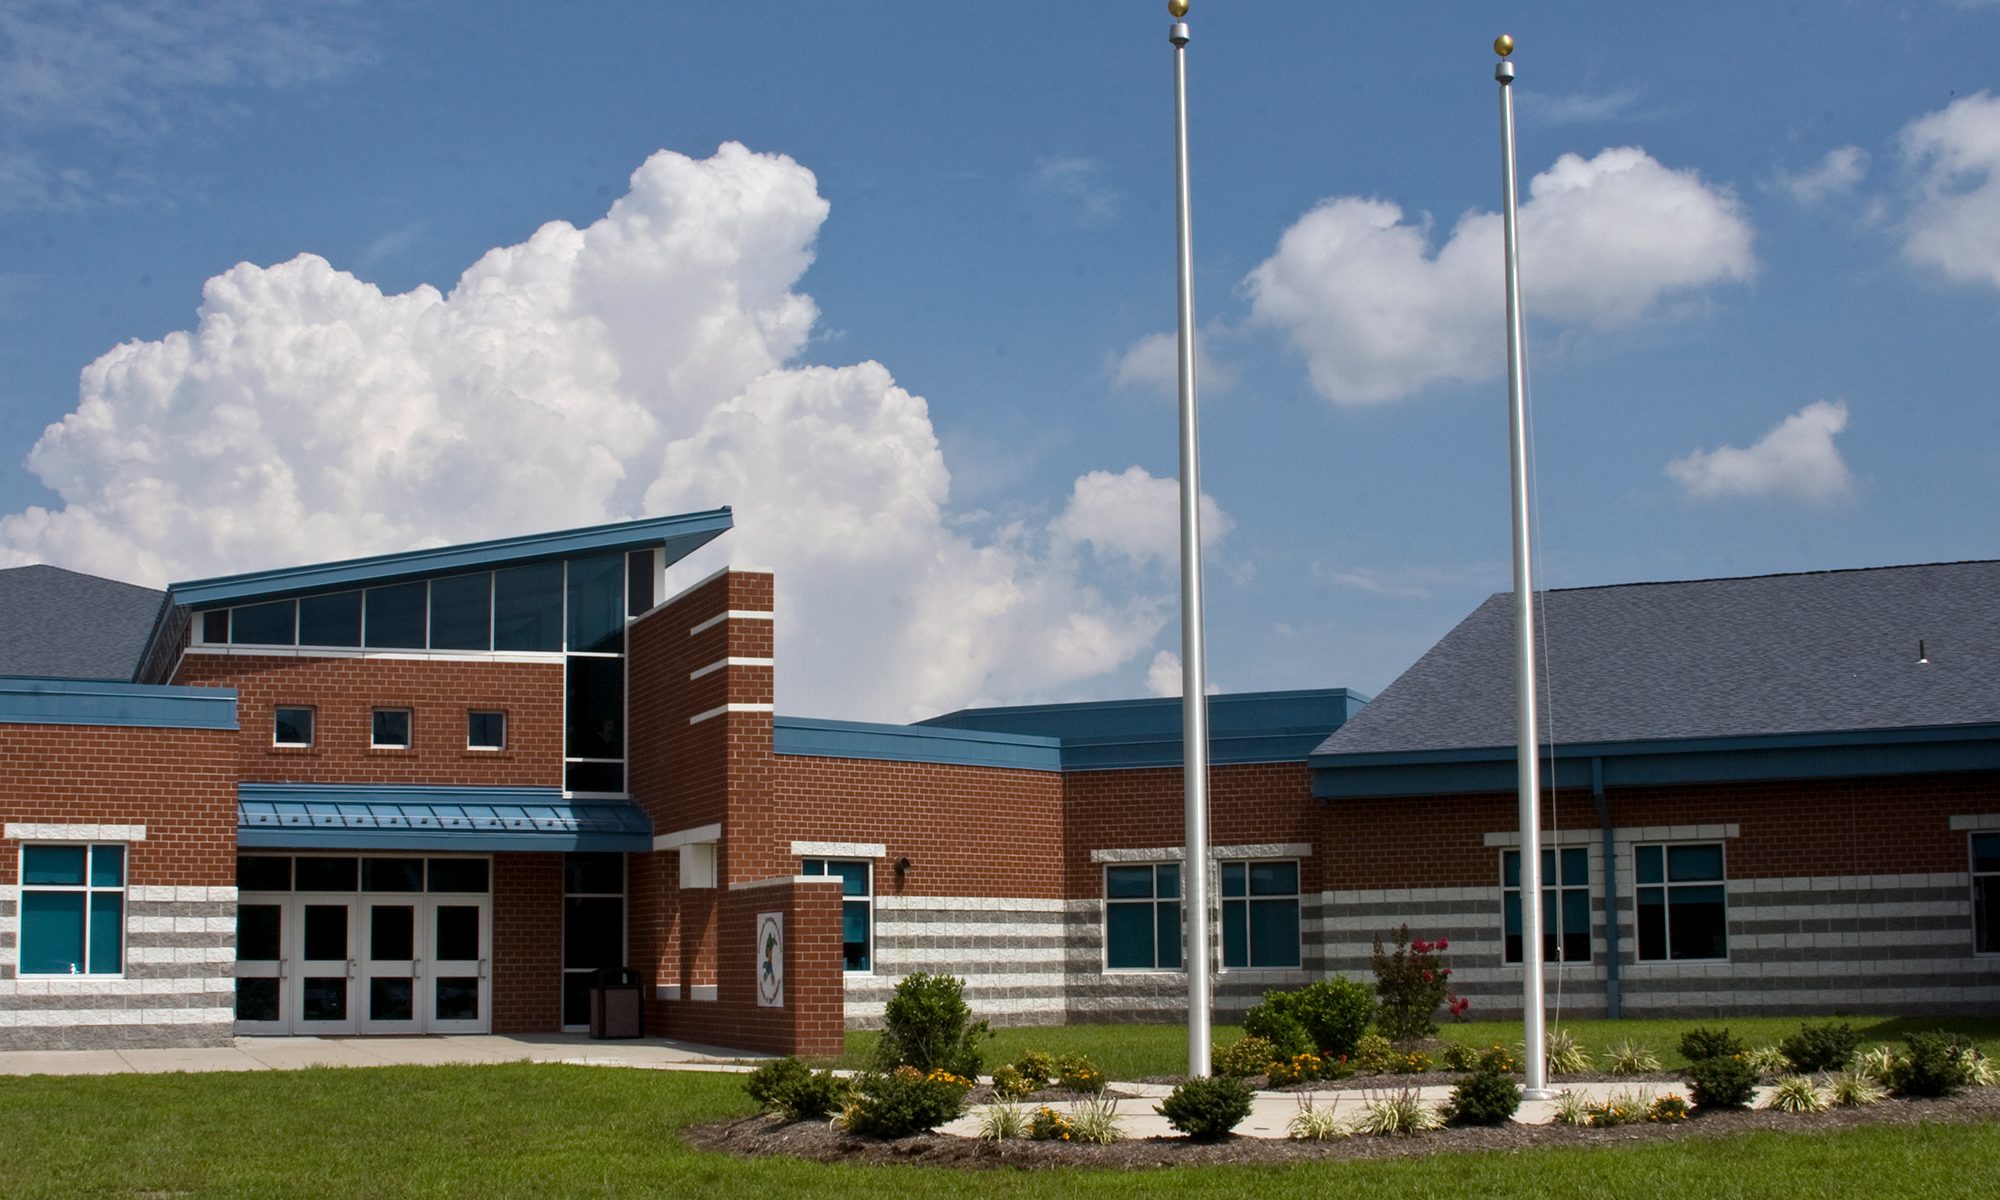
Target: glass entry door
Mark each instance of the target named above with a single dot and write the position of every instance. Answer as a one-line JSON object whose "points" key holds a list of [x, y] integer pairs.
{"points": [[461, 943], [391, 967], [327, 957]]}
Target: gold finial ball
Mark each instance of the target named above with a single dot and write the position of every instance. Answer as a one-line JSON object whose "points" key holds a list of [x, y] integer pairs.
{"points": [[1503, 45], [1178, 8]]}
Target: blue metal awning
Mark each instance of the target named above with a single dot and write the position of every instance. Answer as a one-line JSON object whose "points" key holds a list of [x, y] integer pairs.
{"points": [[338, 816]]}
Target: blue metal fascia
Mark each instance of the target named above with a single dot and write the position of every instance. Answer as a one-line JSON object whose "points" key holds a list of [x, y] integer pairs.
{"points": [[1128, 754], [1691, 760], [681, 535], [388, 816], [26, 701], [810, 738], [353, 839], [1149, 719]]}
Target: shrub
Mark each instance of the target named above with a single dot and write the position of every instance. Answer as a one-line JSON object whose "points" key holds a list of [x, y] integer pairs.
{"points": [[1501, 1059], [1877, 1064], [1796, 1094], [1483, 1098], [1456, 1056], [1009, 1083], [1396, 1114], [1668, 1110], [1373, 1053], [1720, 1083], [1315, 1124], [1048, 1125], [1701, 1042], [1410, 1062], [1933, 1067], [1979, 1070], [1037, 1068], [1821, 1047], [1273, 1022], [1854, 1088], [790, 1087], [1077, 1073], [1299, 1068], [1002, 1122], [1095, 1122], [1572, 1108], [1206, 1109], [1564, 1054], [1769, 1060], [1245, 1056], [1630, 1058], [1621, 1108], [1410, 984], [927, 1025], [1335, 1013], [904, 1101]]}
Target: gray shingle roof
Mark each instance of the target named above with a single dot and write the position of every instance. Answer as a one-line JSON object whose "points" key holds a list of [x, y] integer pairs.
{"points": [[1825, 651], [67, 625]]}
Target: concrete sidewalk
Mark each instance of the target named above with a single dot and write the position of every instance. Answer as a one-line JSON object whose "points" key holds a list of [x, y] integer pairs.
{"points": [[292, 1053]]}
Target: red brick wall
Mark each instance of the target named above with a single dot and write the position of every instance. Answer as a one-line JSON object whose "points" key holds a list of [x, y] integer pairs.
{"points": [[345, 691], [179, 783], [1247, 803], [527, 943], [812, 1021]]}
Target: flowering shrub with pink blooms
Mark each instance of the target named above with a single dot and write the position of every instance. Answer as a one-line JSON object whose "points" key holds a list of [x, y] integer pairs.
{"points": [[1410, 983]]}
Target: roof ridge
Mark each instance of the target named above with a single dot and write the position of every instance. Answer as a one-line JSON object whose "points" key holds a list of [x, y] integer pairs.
{"points": [[1639, 583]]}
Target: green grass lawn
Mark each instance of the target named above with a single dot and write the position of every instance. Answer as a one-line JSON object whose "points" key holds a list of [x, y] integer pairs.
{"points": [[558, 1131], [1147, 1051]]}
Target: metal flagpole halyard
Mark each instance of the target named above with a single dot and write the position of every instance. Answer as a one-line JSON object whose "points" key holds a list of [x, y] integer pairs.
{"points": [[1194, 687], [1527, 730]]}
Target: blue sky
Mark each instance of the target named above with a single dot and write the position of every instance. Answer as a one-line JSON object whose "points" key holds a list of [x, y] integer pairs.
{"points": [[1763, 270]]}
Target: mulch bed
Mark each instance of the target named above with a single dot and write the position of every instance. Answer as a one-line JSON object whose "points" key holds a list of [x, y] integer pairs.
{"points": [[762, 1136]]}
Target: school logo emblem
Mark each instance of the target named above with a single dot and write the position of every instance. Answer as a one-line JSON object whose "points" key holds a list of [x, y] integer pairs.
{"points": [[771, 960]]}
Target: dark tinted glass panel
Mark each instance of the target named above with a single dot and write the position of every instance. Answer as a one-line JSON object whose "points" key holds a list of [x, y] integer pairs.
{"points": [[486, 730], [1986, 914], [325, 999], [392, 932], [1125, 883], [1693, 863], [1649, 860], [1274, 879], [1652, 921], [52, 932], [215, 626], [1576, 867], [854, 936], [326, 932], [1697, 927], [1274, 933], [593, 932], [260, 932], [326, 874], [394, 618], [390, 727], [1168, 917], [638, 582], [458, 874], [462, 612], [527, 607], [292, 727], [1170, 882], [107, 933], [457, 933], [1232, 879], [264, 624], [597, 603], [596, 708], [262, 873], [61, 866], [392, 1000], [1128, 936], [1576, 925], [1986, 852], [576, 998], [853, 877], [392, 874], [333, 620], [1510, 868], [1235, 934], [256, 999], [594, 777], [594, 873], [458, 999]]}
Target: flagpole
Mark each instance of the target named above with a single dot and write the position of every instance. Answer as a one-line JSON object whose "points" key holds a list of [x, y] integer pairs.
{"points": [[1527, 728], [1194, 686]]}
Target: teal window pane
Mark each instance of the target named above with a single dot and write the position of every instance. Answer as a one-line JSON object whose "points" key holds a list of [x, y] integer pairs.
{"points": [[1651, 864], [854, 935], [1576, 910], [1274, 879], [528, 606], [1510, 868], [1235, 933], [107, 866], [273, 624], [1274, 933], [1694, 863], [597, 603], [1170, 882], [462, 612], [1128, 883], [1232, 879], [330, 620], [1128, 936], [394, 617], [51, 932], [1510, 904], [59, 866], [1576, 867], [107, 933], [1168, 919], [853, 878], [1986, 852]]}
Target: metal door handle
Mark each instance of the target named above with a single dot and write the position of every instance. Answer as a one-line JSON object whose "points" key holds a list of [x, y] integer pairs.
{"points": [[353, 968], [482, 968]]}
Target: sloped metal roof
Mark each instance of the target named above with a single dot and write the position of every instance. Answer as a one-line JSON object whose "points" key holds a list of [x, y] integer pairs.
{"points": [[330, 816]]}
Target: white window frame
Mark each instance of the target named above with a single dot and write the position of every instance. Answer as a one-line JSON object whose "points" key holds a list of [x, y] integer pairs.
{"points": [[498, 712], [1153, 902], [311, 740], [867, 864], [1973, 877], [1557, 889], [1667, 886], [409, 728], [90, 892], [1224, 901]]}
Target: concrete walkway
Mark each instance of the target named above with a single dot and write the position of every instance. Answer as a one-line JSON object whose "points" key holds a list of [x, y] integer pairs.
{"points": [[292, 1053]]}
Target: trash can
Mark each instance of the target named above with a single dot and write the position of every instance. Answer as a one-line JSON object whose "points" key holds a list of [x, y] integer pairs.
{"points": [[617, 1010]]}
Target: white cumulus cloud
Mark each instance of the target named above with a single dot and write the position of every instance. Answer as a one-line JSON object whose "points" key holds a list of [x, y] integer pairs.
{"points": [[1153, 363], [638, 365], [1380, 314], [1954, 219], [1796, 460], [1134, 516], [1836, 174]]}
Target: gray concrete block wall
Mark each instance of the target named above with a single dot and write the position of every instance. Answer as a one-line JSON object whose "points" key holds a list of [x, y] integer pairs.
{"points": [[177, 989]]}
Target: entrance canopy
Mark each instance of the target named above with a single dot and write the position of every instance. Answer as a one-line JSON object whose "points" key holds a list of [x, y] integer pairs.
{"points": [[392, 817]]}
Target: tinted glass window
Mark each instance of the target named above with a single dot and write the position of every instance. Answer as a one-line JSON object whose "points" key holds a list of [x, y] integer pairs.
{"points": [[527, 607], [392, 875], [458, 874], [264, 624], [596, 708], [391, 727], [215, 626], [597, 603], [395, 617], [594, 776], [486, 730], [333, 620], [602, 873], [292, 727], [638, 582], [594, 932], [60, 866], [326, 874], [461, 612], [263, 873]]}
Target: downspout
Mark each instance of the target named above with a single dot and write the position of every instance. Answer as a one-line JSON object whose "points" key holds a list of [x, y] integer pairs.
{"points": [[1614, 999]]}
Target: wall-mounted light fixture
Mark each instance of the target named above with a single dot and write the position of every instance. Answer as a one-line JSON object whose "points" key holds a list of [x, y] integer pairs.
{"points": [[902, 867]]}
